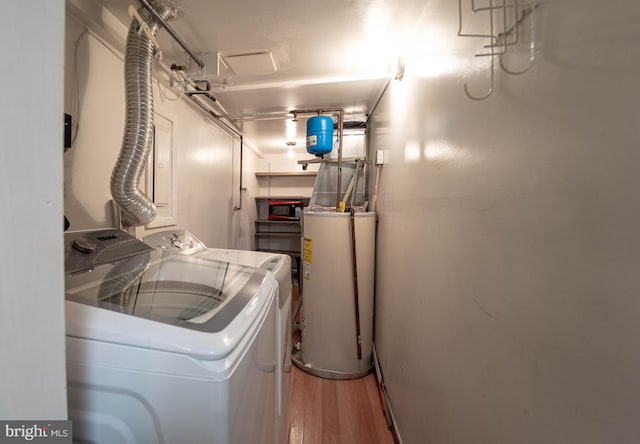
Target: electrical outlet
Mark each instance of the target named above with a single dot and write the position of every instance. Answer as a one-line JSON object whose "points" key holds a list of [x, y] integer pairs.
{"points": [[379, 157]]}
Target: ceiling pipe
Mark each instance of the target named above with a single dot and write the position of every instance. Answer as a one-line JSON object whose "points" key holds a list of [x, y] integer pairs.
{"points": [[198, 92], [380, 96], [258, 116], [217, 118], [275, 115], [172, 33], [239, 206], [340, 206]]}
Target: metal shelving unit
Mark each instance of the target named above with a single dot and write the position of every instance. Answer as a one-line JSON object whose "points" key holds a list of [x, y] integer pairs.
{"points": [[278, 236]]}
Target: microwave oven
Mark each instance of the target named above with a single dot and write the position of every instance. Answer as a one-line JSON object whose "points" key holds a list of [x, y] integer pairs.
{"points": [[285, 209]]}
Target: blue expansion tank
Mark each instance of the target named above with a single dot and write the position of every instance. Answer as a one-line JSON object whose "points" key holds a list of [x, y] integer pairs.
{"points": [[319, 135]]}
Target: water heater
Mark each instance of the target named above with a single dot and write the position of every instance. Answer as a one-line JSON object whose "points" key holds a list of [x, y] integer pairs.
{"points": [[329, 325]]}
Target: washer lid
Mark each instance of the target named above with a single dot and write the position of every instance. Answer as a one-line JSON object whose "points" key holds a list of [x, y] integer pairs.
{"points": [[278, 264], [259, 259], [186, 291], [155, 299]]}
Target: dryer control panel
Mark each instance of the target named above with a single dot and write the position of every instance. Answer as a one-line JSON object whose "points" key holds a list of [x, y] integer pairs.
{"points": [[86, 249], [175, 241]]}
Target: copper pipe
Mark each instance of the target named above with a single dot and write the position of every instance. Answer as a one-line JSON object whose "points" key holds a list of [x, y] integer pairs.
{"points": [[356, 297], [340, 112], [340, 128]]}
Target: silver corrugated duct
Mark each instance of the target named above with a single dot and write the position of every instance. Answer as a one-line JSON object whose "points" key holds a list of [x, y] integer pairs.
{"points": [[137, 209], [116, 287]]}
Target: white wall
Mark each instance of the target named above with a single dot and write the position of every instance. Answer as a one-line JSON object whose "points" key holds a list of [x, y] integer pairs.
{"points": [[302, 185], [243, 227], [286, 185], [207, 157], [284, 164], [507, 290], [32, 364]]}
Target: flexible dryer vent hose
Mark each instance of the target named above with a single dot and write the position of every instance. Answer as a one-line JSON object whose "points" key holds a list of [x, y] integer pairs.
{"points": [[137, 208]]}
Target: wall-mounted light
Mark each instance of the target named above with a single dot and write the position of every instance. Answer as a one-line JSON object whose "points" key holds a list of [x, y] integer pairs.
{"points": [[398, 69]]}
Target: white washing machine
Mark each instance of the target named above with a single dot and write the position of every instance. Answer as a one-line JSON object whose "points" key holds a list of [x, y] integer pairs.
{"points": [[185, 243], [165, 348]]}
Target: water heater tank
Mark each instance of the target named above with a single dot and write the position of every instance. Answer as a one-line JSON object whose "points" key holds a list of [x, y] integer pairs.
{"points": [[319, 135], [329, 325]]}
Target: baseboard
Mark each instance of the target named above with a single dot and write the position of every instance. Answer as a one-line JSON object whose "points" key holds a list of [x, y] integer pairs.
{"points": [[384, 400]]}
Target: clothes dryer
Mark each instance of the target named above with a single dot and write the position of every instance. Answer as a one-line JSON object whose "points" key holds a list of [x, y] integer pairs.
{"points": [[166, 348]]}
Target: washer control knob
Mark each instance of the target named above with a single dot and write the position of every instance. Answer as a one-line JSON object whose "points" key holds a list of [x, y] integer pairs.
{"points": [[176, 241], [84, 245]]}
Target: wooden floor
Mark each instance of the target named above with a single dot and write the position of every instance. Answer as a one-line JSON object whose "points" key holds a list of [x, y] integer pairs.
{"points": [[323, 411]]}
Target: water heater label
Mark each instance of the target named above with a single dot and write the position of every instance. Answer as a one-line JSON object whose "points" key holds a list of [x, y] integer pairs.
{"points": [[307, 249], [312, 140]]}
